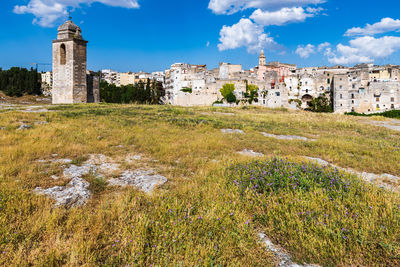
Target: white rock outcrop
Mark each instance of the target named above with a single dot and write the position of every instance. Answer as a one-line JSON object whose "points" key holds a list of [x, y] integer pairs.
{"points": [[232, 131], [378, 179], [286, 137], [75, 193], [250, 153], [144, 180], [285, 260]]}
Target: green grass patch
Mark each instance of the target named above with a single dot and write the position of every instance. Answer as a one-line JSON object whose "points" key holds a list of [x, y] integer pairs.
{"points": [[320, 214], [394, 114]]}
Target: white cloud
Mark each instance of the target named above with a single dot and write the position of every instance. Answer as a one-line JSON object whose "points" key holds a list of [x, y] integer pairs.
{"points": [[282, 16], [46, 12], [305, 51], [233, 6], [245, 34], [323, 46], [385, 25], [364, 50]]}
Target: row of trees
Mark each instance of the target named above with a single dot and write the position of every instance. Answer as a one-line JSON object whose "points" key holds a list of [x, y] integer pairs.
{"points": [[20, 81], [140, 93]]}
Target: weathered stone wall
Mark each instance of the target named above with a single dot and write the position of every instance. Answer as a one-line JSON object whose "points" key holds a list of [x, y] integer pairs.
{"points": [[62, 91], [69, 79], [352, 93], [93, 88]]}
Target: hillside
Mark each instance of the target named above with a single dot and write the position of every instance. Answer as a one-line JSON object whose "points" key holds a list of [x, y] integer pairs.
{"points": [[169, 186]]}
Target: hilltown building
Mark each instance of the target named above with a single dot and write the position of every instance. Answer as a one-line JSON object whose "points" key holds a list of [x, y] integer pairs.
{"points": [[47, 82], [363, 88], [72, 83], [126, 78], [367, 90]]}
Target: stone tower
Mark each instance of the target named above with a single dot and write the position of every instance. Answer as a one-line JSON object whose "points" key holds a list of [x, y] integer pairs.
{"points": [[261, 60], [69, 66]]}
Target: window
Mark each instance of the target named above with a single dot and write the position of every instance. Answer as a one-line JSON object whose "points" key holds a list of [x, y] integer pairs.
{"points": [[392, 106], [392, 99], [377, 106], [340, 87], [352, 96], [352, 101], [63, 55], [341, 96], [377, 99], [328, 81], [278, 93]]}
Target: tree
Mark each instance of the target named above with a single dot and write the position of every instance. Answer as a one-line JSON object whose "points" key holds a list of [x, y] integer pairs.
{"points": [[141, 93], [320, 104], [252, 93], [20, 81], [230, 98], [227, 92]]}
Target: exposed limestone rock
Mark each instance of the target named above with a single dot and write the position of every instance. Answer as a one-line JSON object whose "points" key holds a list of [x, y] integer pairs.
{"points": [[35, 109], [104, 164], [231, 131], [286, 137], [62, 161], [225, 114], [392, 124], [284, 258], [378, 179], [144, 180], [41, 123], [132, 158], [320, 161], [74, 171], [75, 193], [251, 153], [24, 127]]}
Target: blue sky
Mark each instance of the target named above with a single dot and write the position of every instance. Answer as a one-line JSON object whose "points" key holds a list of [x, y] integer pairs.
{"points": [[150, 35]]}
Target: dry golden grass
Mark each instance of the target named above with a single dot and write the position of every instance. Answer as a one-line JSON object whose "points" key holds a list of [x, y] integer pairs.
{"points": [[197, 218]]}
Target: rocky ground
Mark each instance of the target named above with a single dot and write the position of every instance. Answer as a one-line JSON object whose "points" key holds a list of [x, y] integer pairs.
{"points": [[77, 193]]}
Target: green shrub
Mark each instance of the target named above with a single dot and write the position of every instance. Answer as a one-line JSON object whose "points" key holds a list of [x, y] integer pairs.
{"points": [[187, 90], [227, 92]]}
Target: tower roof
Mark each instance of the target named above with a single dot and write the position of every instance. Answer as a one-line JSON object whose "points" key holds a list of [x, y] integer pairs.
{"points": [[69, 25], [69, 30], [262, 53]]}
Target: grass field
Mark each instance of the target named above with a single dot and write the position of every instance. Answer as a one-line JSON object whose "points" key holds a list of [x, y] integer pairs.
{"points": [[215, 202]]}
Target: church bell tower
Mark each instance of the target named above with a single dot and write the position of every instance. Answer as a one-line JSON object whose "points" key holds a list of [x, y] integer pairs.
{"points": [[262, 59], [69, 66]]}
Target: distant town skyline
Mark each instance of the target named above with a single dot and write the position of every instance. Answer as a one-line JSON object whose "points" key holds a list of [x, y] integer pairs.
{"points": [[150, 35]]}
